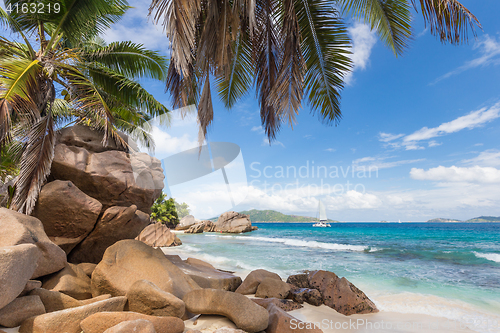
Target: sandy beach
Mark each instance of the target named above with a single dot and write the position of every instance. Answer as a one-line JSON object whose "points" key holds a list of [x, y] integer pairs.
{"points": [[331, 321]]}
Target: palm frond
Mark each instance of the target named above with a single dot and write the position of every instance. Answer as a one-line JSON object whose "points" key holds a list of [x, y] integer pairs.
{"points": [[35, 164], [126, 90], [232, 88], [179, 20], [326, 48], [286, 95], [129, 59], [267, 51], [390, 18], [448, 19], [183, 89], [205, 111]]}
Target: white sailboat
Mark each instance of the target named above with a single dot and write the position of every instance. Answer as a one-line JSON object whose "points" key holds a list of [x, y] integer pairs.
{"points": [[322, 216]]}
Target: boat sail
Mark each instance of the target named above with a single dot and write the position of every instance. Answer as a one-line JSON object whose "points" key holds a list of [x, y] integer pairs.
{"points": [[322, 216]]}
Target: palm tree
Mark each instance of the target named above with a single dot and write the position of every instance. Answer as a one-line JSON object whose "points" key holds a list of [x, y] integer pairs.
{"points": [[59, 72], [286, 48]]}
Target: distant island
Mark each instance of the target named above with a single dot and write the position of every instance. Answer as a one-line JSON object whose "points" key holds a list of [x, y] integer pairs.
{"points": [[274, 216], [474, 220]]}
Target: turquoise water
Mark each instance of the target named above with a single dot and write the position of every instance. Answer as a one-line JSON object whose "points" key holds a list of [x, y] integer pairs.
{"points": [[444, 269]]}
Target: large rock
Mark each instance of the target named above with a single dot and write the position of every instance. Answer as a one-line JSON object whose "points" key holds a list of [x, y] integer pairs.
{"points": [[282, 322], [116, 223], [311, 296], [128, 261], [87, 267], [100, 322], [186, 222], [135, 326], [17, 264], [56, 301], [233, 222], [272, 288], [21, 309], [30, 285], [283, 304], [68, 321], [252, 281], [145, 297], [71, 281], [115, 178], [68, 215], [340, 294], [18, 229], [209, 226], [196, 229], [86, 137], [244, 313], [205, 276], [158, 235], [299, 280]]}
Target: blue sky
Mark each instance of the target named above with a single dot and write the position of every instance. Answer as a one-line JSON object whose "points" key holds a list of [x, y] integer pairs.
{"points": [[426, 124]]}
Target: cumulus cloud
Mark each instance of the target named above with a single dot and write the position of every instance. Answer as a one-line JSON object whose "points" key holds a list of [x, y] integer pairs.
{"points": [[490, 157], [489, 48], [363, 40], [135, 26], [475, 174]]}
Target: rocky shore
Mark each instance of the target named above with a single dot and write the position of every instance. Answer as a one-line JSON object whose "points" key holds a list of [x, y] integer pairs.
{"points": [[137, 288]]}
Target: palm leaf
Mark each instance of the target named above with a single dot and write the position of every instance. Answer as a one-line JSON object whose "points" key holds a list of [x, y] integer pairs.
{"points": [[325, 46], [35, 164], [286, 95], [205, 111], [179, 20], [129, 59], [390, 18], [266, 54], [448, 19], [231, 88]]}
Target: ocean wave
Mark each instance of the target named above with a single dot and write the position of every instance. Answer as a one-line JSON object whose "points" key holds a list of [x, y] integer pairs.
{"points": [[301, 243], [475, 319], [488, 256]]}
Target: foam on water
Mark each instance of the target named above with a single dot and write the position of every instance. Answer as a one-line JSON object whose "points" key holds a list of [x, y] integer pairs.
{"points": [[488, 256], [466, 314], [301, 243]]}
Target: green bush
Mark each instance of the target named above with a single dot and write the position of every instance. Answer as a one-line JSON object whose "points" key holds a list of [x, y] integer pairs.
{"points": [[167, 210]]}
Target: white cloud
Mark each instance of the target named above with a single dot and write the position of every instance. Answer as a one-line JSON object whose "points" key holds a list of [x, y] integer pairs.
{"points": [[363, 40], [373, 163], [490, 54], [166, 143], [434, 143], [331, 150], [387, 137], [489, 158], [135, 26], [266, 142], [475, 174], [258, 129], [469, 121]]}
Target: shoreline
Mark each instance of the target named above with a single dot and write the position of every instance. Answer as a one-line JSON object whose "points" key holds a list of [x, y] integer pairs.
{"points": [[331, 321]]}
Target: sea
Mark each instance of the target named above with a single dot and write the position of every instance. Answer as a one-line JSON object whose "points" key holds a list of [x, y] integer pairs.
{"points": [[449, 270]]}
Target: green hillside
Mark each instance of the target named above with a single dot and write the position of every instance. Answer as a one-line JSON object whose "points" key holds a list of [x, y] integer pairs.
{"points": [[441, 220], [274, 216], [485, 219]]}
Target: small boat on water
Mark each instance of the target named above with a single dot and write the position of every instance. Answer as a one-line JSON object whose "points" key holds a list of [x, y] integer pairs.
{"points": [[322, 217]]}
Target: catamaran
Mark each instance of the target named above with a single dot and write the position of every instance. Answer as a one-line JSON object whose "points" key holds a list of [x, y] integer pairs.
{"points": [[322, 216]]}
